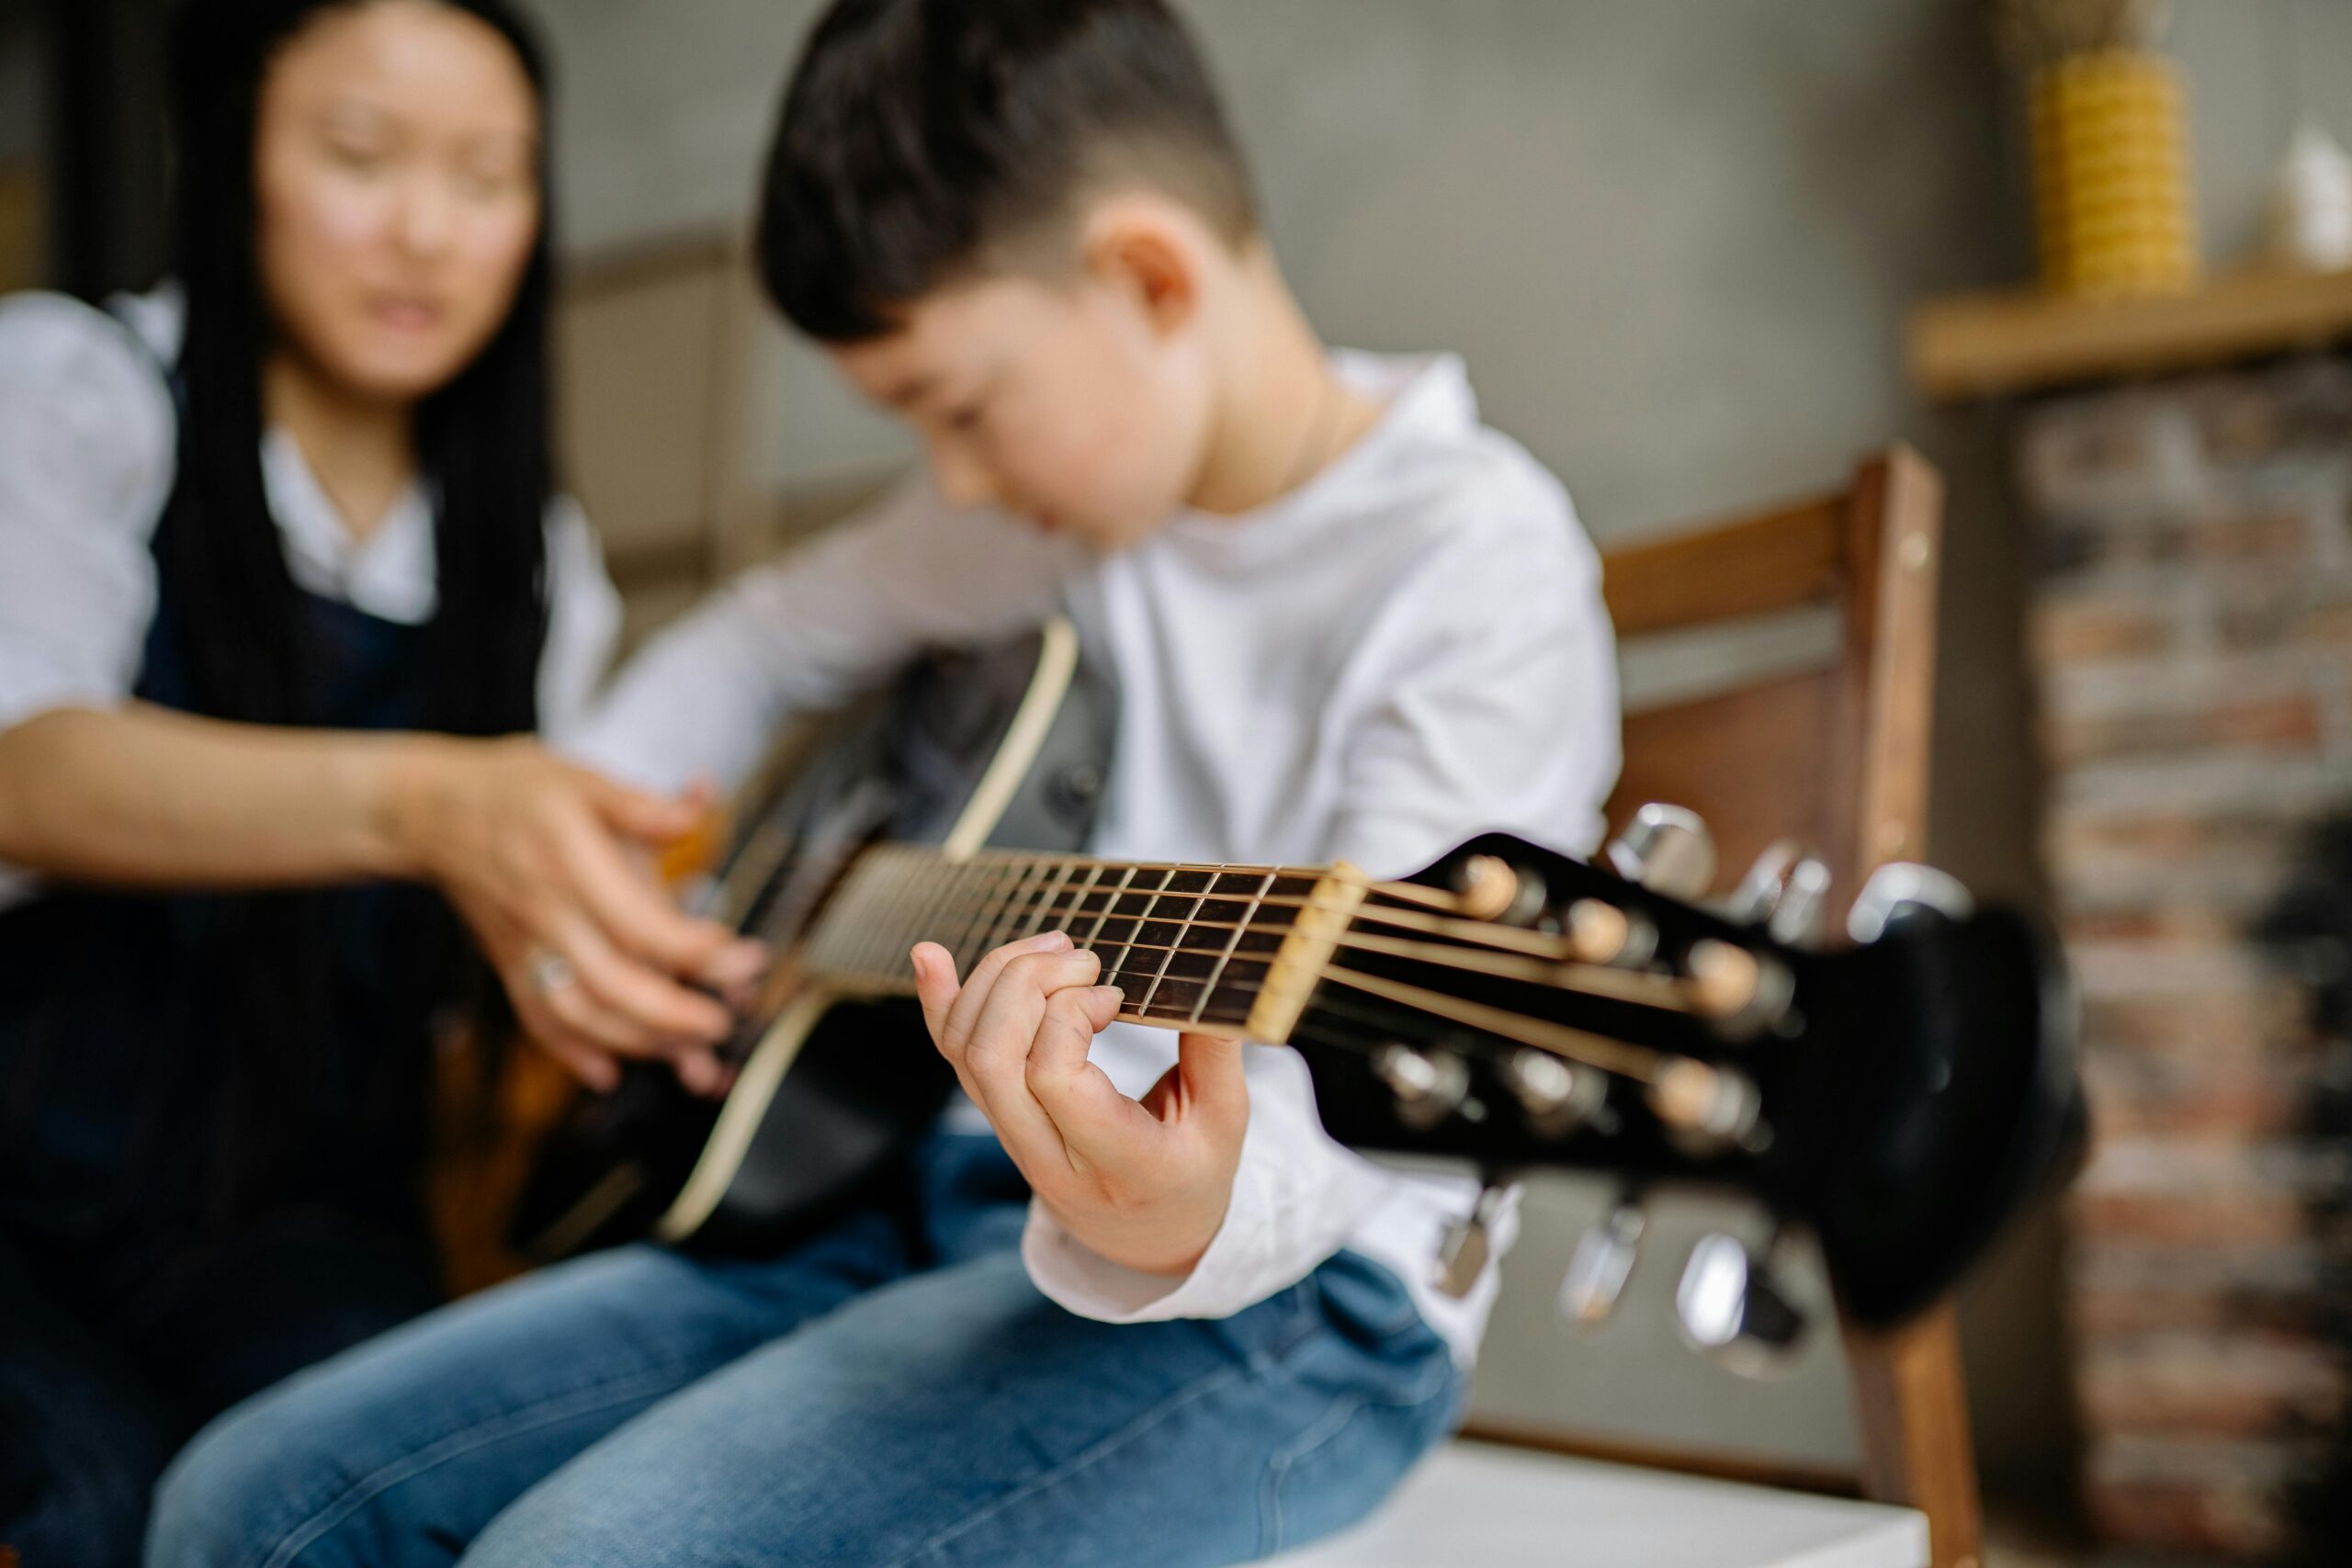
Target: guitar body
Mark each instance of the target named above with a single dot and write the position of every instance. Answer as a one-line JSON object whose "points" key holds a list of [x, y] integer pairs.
{"points": [[1005, 748]]}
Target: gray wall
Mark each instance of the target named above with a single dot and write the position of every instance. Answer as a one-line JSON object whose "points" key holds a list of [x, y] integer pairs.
{"points": [[2252, 70], [1675, 241]]}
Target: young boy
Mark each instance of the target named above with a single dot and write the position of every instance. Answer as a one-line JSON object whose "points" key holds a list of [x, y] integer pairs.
{"points": [[1345, 621]]}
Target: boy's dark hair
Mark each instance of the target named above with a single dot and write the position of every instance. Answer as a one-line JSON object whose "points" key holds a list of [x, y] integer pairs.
{"points": [[919, 139]]}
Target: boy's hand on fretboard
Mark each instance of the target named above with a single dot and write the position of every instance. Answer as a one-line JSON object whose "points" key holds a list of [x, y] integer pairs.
{"points": [[1143, 1183]]}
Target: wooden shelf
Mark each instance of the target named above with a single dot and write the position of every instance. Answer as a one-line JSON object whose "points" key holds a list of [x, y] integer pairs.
{"points": [[1979, 344]]}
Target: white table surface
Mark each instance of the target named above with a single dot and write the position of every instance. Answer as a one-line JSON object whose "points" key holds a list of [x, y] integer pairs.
{"points": [[1477, 1503]]}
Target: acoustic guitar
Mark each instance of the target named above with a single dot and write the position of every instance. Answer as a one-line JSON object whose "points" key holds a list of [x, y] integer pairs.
{"points": [[1902, 1094]]}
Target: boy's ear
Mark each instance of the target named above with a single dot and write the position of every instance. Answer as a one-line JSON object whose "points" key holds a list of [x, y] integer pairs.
{"points": [[1136, 250]]}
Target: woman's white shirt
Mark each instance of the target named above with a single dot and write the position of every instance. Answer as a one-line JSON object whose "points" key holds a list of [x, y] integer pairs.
{"points": [[88, 453]]}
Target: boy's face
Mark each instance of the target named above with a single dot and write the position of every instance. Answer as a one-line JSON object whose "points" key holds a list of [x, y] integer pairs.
{"points": [[1082, 405]]}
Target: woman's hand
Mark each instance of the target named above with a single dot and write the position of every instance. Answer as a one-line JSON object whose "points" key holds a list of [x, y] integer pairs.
{"points": [[547, 862], [1144, 1184]]}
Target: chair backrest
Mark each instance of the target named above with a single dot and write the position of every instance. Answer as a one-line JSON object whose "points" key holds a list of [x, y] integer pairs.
{"points": [[1834, 753]]}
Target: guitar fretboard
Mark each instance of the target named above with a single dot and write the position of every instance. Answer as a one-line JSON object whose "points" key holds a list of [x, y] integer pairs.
{"points": [[1188, 944]]}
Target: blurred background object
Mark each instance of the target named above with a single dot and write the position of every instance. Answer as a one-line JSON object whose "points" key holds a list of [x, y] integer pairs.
{"points": [[2108, 127], [1680, 244]]}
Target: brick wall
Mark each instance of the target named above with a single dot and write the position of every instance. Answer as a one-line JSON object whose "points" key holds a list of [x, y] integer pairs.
{"points": [[2192, 633]]}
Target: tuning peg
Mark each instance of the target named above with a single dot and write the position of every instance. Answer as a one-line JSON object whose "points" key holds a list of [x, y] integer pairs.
{"points": [[1603, 1260], [1469, 1243], [1558, 1097], [1601, 932], [1759, 892], [1731, 1306], [1803, 914], [1707, 1110], [1488, 888], [1787, 891], [1900, 888], [1668, 849], [1428, 1086], [1745, 992]]}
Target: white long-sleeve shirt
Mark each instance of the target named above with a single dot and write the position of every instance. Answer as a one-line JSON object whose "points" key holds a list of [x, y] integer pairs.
{"points": [[89, 444], [1408, 649]]}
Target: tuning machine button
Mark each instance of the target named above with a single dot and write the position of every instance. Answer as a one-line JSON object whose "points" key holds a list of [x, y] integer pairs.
{"points": [[1602, 1262], [1706, 1110], [1470, 1242], [1601, 932], [1668, 849], [1558, 1097], [1731, 1304], [1428, 1086], [1901, 888], [1743, 992]]}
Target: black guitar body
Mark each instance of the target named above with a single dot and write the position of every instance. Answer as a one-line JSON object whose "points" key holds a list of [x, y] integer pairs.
{"points": [[831, 1090]]}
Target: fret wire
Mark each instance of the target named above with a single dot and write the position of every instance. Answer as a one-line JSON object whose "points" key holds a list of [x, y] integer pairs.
{"points": [[861, 910], [994, 878], [1079, 897], [1170, 956], [988, 908], [1002, 929], [1273, 902], [941, 919], [1110, 903], [1150, 896], [1006, 868], [885, 883], [898, 892], [1208, 987], [914, 916], [1042, 912], [1042, 915], [993, 899], [973, 907], [1064, 901]]}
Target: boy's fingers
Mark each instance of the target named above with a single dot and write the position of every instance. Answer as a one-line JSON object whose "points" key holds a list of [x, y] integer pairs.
{"points": [[1074, 1016], [1085, 1105], [955, 1034], [935, 986], [1012, 1021], [1214, 1081]]}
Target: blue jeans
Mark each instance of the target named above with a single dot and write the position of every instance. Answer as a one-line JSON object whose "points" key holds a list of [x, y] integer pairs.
{"points": [[894, 1392]]}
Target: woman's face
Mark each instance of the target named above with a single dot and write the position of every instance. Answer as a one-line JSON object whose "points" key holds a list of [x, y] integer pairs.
{"points": [[396, 168]]}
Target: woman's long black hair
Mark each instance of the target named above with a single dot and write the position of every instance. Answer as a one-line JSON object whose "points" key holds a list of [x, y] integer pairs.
{"points": [[483, 449]]}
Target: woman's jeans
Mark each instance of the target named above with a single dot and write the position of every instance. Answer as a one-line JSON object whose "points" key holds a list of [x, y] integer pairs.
{"points": [[893, 1392]]}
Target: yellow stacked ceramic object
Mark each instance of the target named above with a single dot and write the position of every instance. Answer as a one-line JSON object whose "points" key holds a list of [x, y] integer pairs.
{"points": [[2111, 185]]}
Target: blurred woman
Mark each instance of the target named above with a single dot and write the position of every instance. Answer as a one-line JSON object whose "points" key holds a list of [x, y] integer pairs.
{"points": [[280, 558]]}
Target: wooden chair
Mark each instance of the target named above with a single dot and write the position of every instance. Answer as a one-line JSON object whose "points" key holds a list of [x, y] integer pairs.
{"points": [[1837, 755]]}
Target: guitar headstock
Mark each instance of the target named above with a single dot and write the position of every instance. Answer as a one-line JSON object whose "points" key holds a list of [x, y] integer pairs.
{"points": [[1902, 1092]]}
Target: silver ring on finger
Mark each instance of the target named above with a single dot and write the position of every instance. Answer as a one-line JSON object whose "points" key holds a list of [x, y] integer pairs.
{"points": [[549, 971]]}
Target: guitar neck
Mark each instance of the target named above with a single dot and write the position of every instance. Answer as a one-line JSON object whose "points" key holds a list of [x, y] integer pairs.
{"points": [[1216, 949]]}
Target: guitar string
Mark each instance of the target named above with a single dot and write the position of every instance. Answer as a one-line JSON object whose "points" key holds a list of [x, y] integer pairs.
{"points": [[1006, 902], [1509, 939], [1662, 993]]}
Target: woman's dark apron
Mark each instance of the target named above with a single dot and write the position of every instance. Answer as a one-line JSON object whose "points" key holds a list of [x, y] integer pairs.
{"points": [[114, 1083]]}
